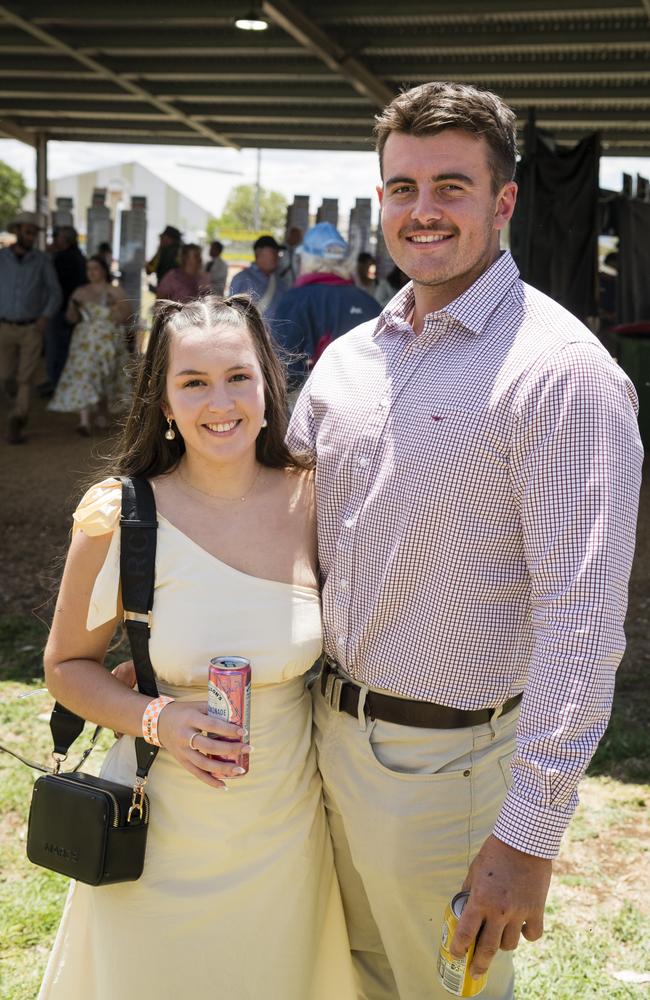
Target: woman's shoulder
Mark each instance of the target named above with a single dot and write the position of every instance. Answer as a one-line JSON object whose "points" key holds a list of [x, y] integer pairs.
{"points": [[297, 482], [299, 491], [99, 510]]}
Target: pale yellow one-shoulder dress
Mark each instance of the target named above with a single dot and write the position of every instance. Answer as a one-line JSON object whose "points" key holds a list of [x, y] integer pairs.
{"points": [[239, 897]]}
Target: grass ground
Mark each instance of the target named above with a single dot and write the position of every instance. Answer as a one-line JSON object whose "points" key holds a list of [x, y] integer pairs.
{"points": [[598, 917]]}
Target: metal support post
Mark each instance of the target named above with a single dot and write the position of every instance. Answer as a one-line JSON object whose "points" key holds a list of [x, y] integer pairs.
{"points": [[42, 204]]}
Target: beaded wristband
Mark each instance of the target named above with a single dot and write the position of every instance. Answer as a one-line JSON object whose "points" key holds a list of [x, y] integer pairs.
{"points": [[150, 719]]}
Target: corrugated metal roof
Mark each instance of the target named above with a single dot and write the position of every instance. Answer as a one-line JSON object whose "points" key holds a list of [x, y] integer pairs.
{"points": [[164, 72]]}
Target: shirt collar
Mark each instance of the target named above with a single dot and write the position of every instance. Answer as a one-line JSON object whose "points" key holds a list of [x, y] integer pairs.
{"points": [[472, 308]]}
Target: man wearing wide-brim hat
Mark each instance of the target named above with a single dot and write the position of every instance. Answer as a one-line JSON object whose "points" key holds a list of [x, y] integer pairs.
{"points": [[29, 296]]}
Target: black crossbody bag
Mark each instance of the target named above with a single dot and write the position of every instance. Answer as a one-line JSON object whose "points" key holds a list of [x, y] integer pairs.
{"points": [[89, 828]]}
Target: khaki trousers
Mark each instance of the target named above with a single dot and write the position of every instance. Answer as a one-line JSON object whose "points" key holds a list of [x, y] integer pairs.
{"points": [[408, 810], [20, 353]]}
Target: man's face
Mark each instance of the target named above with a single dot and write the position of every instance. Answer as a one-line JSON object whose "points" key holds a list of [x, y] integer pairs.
{"points": [[61, 239], [192, 262], [440, 215], [266, 259], [26, 236]]}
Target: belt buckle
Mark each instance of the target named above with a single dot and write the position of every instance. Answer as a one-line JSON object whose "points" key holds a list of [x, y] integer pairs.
{"points": [[333, 688]]}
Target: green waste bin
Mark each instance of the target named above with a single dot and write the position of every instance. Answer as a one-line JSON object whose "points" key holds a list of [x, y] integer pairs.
{"points": [[633, 355]]}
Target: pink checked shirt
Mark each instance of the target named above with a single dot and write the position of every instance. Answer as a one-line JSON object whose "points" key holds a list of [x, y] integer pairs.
{"points": [[477, 491]]}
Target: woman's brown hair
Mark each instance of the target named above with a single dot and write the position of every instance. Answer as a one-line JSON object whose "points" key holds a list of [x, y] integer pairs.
{"points": [[143, 449]]}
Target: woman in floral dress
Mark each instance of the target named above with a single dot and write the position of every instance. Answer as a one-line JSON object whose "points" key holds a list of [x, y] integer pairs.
{"points": [[95, 376]]}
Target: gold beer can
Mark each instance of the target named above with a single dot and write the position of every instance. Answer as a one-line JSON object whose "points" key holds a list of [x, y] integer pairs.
{"points": [[454, 972]]}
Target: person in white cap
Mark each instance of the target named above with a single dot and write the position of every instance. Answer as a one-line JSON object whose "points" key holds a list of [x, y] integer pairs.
{"points": [[323, 304], [29, 296]]}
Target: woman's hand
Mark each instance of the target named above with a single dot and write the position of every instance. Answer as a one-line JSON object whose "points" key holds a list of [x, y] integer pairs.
{"points": [[125, 672], [182, 721]]}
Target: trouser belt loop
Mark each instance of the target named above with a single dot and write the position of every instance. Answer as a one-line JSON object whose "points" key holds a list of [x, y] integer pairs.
{"points": [[494, 717], [361, 709]]}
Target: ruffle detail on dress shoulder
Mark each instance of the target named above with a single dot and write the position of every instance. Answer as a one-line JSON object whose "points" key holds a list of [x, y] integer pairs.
{"points": [[99, 509], [97, 514]]}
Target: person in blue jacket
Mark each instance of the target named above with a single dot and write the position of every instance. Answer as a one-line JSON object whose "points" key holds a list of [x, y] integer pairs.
{"points": [[324, 302]]}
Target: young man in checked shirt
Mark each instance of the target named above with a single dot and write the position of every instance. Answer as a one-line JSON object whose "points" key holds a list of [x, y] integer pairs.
{"points": [[478, 469]]}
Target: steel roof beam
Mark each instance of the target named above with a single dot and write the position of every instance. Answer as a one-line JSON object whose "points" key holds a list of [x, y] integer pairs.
{"points": [[411, 72], [102, 71], [195, 11], [308, 34], [14, 131], [337, 11], [361, 39]]}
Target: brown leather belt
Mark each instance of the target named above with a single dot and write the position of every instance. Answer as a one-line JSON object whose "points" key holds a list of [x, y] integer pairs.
{"points": [[342, 695]]}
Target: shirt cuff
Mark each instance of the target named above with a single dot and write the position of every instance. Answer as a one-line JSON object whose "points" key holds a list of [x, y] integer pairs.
{"points": [[530, 828]]}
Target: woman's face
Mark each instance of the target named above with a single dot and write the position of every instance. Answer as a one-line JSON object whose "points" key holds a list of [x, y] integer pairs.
{"points": [[215, 392], [95, 272]]}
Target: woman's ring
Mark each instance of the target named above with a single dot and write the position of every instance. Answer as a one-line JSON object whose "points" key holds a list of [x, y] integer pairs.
{"points": [[192, 738]]}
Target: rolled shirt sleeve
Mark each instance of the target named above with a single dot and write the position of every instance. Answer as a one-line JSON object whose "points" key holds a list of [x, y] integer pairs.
{"points": [[576, 469]]}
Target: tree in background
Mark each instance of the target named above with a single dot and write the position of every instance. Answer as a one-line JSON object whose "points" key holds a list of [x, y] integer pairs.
{"points": [[239, 211], [12, 191]]}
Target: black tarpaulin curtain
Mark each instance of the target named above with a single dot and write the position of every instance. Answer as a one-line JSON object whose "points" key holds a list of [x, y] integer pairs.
{"points": [[631, 221], [554, 231]]}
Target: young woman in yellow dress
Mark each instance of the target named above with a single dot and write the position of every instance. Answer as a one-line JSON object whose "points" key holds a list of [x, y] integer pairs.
{"points": [[238, 895]]}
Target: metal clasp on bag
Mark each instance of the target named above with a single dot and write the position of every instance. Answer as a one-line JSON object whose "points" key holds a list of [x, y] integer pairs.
{"points": [[137, 800], [58, 759]]}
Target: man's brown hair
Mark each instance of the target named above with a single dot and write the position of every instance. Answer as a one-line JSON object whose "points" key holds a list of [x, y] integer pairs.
{"points": [[433, 107]]}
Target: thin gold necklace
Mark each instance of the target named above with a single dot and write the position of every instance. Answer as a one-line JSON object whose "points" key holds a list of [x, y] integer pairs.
{"points": [[215, 496]]}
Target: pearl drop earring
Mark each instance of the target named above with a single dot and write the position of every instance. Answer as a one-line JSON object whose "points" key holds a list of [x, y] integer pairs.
{"points": [[170, 433], [265, 422]]}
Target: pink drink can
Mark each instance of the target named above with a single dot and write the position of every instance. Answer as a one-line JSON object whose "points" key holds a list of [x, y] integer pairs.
{"points": [[229, 696]]}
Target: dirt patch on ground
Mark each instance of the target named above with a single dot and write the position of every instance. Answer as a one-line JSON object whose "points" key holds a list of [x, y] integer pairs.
{"points": [[605, 856], [41, 484]]}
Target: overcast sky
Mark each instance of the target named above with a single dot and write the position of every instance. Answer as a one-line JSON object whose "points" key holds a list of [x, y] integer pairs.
{"points": [[345, 176]]}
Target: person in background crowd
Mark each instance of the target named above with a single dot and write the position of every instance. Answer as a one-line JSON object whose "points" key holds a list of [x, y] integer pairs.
{"points": [[105, 250], [187, 281], [390, 285], [289, 264], [70, 266], [365, 273], [217, 269], [323, 304], [260, 280], [30, 296], [167, 255], [95, 378], [478, 466]]}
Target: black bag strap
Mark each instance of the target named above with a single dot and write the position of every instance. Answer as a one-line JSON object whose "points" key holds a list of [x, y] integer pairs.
{"points": [[138, 528]]}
